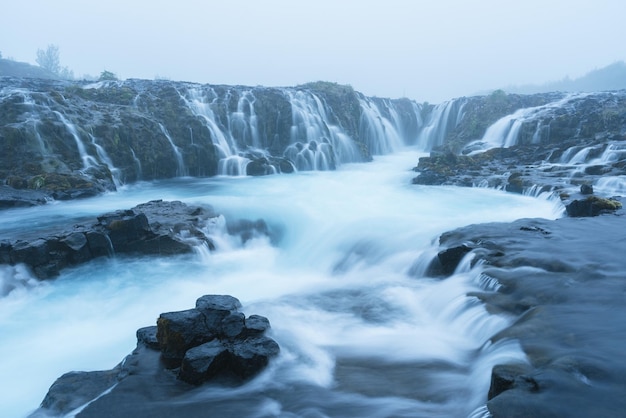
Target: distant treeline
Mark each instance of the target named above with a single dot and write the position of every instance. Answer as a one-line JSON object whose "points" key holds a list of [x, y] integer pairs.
{"points": [[611, 77]]}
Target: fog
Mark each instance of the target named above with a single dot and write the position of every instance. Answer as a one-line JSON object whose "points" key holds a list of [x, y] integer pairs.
{"points": [[428, 51]]}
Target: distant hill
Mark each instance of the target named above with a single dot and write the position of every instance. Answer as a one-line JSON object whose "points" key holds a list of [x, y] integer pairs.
{"points": [[9, 68], [611, 77]]}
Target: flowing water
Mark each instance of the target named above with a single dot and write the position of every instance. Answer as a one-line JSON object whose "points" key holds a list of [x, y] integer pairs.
{"points": [[362, 331]]}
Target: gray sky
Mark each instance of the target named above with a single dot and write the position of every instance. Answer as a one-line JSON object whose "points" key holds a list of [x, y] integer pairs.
{"points": [[426, 50]]}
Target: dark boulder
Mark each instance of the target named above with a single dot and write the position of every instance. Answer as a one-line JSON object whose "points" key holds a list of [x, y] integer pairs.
{"points": [[75, 389], [204, 362], [12, 198], [586, 188], [450, 258], [592, 206], [214, 343], [251, 355], [153, 228], [177, 332], [509, 376]]}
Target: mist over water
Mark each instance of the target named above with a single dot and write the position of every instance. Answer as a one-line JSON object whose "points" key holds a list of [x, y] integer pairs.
{"points": [[362, 332]]}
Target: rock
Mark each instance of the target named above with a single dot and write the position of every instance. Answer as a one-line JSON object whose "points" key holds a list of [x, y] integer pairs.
{"points": [[213, 341], [148, 337], [75, 389], [233, 325], [153, 228], [177, 332], [251, 355], [256, 324], [586, 188], [508, 376], [204, 362], [592, 206], [230, 352], [217, 307], [451, 257], [13, 198]]}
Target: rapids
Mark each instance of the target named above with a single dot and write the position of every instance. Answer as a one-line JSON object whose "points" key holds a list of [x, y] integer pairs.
{"points": [[341, 279]]}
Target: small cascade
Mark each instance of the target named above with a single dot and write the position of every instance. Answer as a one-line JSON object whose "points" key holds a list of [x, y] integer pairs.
{"points": [[444, 118], [611, 185], [614, 152], [580, 157], [378, 132], [137, 164], [104, 157], [88, 160], [198, 102], [316, 144], [243, 122], [180, 171], [241, 127], [505, 131], [233, 165]]}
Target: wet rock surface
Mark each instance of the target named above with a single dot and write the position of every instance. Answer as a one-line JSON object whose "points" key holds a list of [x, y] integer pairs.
{"points": [[565, 147], [564, 282], [151, 380], [153, 228]]}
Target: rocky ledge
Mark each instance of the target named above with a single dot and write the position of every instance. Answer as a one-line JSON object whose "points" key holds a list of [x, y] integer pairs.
{"points": [[157, 227], [212, 342], [563, 281]]}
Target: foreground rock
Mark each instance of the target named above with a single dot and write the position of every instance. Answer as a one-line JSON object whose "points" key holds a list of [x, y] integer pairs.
{"points": [[153, 228], [212, 342], [564, 282]]}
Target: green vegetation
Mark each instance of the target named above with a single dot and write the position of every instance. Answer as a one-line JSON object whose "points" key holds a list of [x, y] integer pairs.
{"points": [[107, 76], [604, 204], [328, 87], [49, 59]]}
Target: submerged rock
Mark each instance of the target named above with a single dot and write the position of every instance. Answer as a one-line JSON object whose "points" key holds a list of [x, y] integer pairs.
{"points": [[206, 349]]}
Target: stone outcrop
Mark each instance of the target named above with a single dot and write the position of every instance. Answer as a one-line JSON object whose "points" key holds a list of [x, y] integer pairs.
{"points": [[213, 342], [76, 139], [532, 144], [563, 283], [153, 228]]}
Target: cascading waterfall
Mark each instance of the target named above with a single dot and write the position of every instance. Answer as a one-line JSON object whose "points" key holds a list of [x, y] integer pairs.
{"points": [[104, 157], [443, 118], [240, 128], [379, 133], [505, 131], [88, 160], [316, 144], [180, 171]]}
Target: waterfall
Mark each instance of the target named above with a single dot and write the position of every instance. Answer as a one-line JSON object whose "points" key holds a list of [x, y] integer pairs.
{"points": [[88, 160], [137, 164], [243, 122], [444, 117], [316, 143], [180, 171], [199, 104], [104, 157], [505, 131], [241, 126], [379, 133]]}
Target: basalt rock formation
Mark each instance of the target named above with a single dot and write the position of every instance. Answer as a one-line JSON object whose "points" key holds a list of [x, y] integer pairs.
{"points": [[563, 281], [213, 342], [154, 228], [530, 144], [77, 139]]}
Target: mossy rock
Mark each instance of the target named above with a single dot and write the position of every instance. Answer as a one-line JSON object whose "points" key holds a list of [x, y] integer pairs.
{"points": [[592, 206]]}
